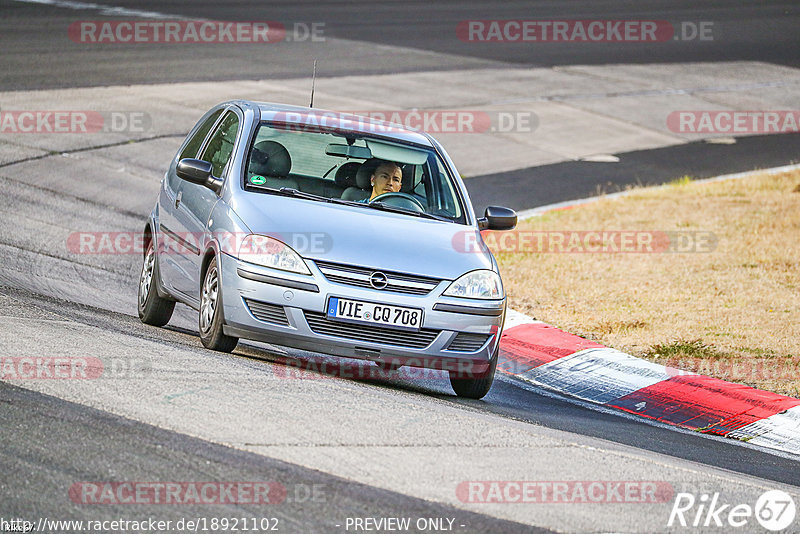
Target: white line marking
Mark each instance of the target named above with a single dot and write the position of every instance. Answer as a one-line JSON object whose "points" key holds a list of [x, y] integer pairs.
{"points": [[537, 212], [109, 11]]}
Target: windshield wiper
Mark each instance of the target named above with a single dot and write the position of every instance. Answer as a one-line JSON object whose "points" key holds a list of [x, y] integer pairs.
{"points": [[292, 192], [395, 209]]}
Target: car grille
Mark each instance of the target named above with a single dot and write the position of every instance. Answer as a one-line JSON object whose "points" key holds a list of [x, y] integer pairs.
{"points": [[373, 334], [465, 342], [269, 313], [359, 277]]}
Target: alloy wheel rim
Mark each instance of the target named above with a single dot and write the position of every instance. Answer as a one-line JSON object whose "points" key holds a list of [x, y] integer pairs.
{"points": [[208, 301], [146, 278]]}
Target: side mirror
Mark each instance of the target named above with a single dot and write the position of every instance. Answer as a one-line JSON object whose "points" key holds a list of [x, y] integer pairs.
{"points": [[498, 218], [198, 172]]}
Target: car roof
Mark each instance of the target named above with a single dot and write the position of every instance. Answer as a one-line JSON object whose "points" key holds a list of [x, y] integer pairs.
{"points": [[311, 118]]}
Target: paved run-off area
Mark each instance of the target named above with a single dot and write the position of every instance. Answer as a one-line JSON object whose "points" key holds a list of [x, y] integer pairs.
{"points": [[536, 116], [387, 437], [384, 436]]}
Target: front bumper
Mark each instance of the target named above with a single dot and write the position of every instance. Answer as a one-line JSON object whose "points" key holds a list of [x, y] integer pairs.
{"points": [[291, 307]]}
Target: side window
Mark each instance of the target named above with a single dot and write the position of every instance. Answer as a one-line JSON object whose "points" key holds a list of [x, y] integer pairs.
{"points": [[220, 146], [419, 183], [448, 204], [191, 148]]}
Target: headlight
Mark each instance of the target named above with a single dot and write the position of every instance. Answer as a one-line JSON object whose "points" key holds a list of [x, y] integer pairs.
{"points": [[269, 252], [483, 284]]}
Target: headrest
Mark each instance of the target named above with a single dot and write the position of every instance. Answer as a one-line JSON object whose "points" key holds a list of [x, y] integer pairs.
{"points": [[346, 174], [365, 171], [269, 158], [409, 175]]}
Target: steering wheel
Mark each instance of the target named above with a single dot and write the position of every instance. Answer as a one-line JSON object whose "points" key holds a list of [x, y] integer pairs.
{"points": [[404, 201]]}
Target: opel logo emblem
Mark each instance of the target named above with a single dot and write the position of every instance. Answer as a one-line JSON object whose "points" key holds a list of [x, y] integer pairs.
{"points": [[378, 280]]}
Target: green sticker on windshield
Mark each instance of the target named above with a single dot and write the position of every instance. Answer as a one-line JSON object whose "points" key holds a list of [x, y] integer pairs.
{"points": [[258, 180]]}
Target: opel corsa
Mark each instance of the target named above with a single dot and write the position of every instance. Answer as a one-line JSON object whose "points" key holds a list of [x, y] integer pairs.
{"points": [[266, 223]]}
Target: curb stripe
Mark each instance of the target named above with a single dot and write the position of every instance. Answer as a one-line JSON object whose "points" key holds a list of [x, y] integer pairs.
{"points": [[613, 374], [546, 356], [704, 403], [527, 346], [779, 431], [552, 358], [514, 318]]}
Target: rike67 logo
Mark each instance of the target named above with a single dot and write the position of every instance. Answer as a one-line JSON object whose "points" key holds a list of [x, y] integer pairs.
{"points": [[774, 510]]}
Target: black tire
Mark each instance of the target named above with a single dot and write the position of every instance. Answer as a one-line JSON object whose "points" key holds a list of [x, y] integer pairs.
{"points": [[478, 386], [153, 309], [211, 317]]}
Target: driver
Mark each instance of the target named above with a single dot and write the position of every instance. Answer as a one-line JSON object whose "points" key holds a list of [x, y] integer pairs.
{"points": [[386, 178]]}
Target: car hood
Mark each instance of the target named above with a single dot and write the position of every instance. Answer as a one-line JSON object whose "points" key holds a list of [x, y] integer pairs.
{"points": [[366, 237]]}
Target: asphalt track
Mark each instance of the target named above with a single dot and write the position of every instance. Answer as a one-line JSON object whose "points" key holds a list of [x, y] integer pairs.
{"points": [[51, 441], [315, 502], [549, 184], [36, 57], [51, 444]]}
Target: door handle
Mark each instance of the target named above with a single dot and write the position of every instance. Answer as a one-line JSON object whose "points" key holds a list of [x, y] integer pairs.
{"points": [[178, 199]]}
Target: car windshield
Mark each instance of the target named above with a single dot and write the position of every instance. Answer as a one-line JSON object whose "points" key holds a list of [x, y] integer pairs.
{"points": [[372, 172]]}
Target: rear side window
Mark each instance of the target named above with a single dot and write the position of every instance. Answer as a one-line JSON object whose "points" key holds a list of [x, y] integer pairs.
{"points": [[220, 146], [190, 151]]}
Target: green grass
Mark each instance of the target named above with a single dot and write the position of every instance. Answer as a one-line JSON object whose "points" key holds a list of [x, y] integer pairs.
{"points": [[686, 349], [683, 180]]}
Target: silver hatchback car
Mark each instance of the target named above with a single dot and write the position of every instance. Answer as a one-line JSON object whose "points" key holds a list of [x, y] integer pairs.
{"points": [[326, 232]]}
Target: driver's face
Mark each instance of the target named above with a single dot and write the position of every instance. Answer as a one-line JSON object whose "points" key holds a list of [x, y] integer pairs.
{"points": [[386, 179]]}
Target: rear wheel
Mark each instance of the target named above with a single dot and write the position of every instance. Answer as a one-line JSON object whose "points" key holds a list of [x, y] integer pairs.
{"points": [[478, 385], [211, 317], [153, 309]]}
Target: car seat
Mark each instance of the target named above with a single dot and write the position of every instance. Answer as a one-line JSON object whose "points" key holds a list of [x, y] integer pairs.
{"points": [[271, 160]]}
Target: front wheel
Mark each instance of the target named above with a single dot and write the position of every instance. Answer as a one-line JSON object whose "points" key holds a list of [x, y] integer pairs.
{"points": [[211, 318], [477, 386], [153, 309]]}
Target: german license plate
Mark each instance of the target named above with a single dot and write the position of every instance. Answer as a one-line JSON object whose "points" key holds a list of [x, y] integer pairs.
{"points": [[358, 311]]}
